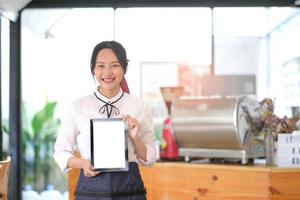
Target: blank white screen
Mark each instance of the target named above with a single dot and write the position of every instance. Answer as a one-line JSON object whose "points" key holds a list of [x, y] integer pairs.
{"points": [[109, 144]]}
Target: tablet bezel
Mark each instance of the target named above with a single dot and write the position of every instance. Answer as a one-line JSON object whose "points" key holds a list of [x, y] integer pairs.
{"points": [[112, 169]]}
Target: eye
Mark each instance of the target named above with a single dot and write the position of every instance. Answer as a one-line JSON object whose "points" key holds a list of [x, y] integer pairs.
{"points": [[99, 65], [116, 65]]}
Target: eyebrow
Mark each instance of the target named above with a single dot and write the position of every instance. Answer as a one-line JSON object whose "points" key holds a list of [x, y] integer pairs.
{"points": [[111, 62]]}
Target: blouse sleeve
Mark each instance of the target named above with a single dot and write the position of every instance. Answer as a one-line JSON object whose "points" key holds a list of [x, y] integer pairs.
{"points": [[147, 136], [66, 140]]}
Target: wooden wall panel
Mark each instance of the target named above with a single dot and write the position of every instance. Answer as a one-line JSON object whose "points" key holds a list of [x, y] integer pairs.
{"points": [[186, 181], [285, 184]]}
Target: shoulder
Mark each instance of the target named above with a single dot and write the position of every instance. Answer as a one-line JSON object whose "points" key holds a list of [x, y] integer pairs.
{"points": [[134, 100], [137, 104], [83, 101]]}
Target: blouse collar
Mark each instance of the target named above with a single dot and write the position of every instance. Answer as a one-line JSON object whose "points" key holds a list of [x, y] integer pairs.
{"points": [[103, 98]]}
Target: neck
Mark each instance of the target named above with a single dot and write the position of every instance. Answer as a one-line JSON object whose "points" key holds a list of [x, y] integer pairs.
{"points": [[109, 93]]}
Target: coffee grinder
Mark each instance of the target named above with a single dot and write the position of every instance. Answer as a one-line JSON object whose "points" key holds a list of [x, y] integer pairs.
{"points": [[169, 149]]}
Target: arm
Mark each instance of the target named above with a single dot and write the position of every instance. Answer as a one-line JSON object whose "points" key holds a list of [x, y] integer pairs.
{"points": [[65, 145], [88, 168], [142, 136], [133, 133]]}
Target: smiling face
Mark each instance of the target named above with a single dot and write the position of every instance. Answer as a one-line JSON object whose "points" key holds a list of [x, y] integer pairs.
{"points": [[108, 72]]}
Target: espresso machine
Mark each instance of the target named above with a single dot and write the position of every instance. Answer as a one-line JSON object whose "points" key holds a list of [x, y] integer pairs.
{"points": [[215, 128]]}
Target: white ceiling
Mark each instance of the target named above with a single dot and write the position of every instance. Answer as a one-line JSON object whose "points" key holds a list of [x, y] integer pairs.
{"points": [[250, 21], [42, 20], [10, 8]]}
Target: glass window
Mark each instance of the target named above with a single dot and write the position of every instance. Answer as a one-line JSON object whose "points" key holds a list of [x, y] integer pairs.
{"points": [[57, 45], [161, 42], [238, 36], [5, 80], [56, 49], [285, 64], [181, 35], [260, 42]]}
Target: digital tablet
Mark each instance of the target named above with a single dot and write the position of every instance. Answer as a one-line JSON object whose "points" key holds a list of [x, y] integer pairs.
{"points": [[109, 145]]}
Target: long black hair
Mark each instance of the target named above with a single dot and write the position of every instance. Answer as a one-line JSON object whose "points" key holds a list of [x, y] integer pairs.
{"points": [[116, 47]]}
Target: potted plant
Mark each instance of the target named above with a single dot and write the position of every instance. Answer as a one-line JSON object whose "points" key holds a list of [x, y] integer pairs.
{"points": [[263, 122], [39, 133], [38, 136], [4, 140]]}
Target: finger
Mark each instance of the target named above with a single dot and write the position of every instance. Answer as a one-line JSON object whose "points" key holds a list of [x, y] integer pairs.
{"points": [[133, 123], [96, 173], [130, 124], [126, 120], [91, 173], [86, 174], [125, 117]]}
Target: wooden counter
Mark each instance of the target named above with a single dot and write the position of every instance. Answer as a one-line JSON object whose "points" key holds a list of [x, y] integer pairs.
{"points": [[186, 181]]}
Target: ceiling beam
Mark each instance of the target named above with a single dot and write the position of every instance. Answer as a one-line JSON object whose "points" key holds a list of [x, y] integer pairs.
{"points": [[160, 3]]}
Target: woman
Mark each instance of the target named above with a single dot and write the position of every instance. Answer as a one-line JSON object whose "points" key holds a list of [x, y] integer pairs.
{"points": [[108, 66]]}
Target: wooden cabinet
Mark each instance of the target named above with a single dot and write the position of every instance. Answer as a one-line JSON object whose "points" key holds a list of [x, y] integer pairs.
{"points": [[186, 181]]}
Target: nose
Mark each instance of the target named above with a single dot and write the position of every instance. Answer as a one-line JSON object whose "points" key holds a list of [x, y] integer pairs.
{"points": [[107, 70]]}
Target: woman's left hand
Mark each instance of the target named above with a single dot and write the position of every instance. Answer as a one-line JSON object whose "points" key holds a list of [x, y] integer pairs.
{"points": [[133, 126], [133, 133]]}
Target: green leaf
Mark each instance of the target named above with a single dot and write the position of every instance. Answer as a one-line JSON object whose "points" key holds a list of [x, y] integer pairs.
{"points": [[5, 126], [39, 134], [42, 117]]}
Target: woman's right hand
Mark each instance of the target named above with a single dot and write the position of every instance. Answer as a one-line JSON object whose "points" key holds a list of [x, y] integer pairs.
{"points": [[88, 168], [84, 164]]}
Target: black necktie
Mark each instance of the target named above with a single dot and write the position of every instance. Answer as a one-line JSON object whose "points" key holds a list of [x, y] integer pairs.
{"points": [[109, 107]]}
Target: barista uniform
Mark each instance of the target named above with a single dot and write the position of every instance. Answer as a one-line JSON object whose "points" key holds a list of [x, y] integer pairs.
{"points": [[75, 131]]}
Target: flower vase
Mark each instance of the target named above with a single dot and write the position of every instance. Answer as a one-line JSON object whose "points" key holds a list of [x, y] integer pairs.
{"points": [[270, 148]]}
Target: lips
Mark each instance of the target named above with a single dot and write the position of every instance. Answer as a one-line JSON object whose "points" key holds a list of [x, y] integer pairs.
{"points": [[108, 80]]}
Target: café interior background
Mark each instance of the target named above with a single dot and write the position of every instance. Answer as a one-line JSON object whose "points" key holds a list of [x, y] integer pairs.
{"points": [[262, 42]]}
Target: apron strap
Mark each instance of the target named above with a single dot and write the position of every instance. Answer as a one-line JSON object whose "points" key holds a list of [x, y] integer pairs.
{"points": [[110, 194]]}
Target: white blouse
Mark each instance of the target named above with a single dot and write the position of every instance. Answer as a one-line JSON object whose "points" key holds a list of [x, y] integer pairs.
{"points": [[75, 128]]}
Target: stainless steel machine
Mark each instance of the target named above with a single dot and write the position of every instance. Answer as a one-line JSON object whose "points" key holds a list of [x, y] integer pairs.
{"points": [[214, 128]]}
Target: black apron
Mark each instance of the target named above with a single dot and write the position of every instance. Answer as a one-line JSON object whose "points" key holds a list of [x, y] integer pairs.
{"points": [[124, 185]]}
